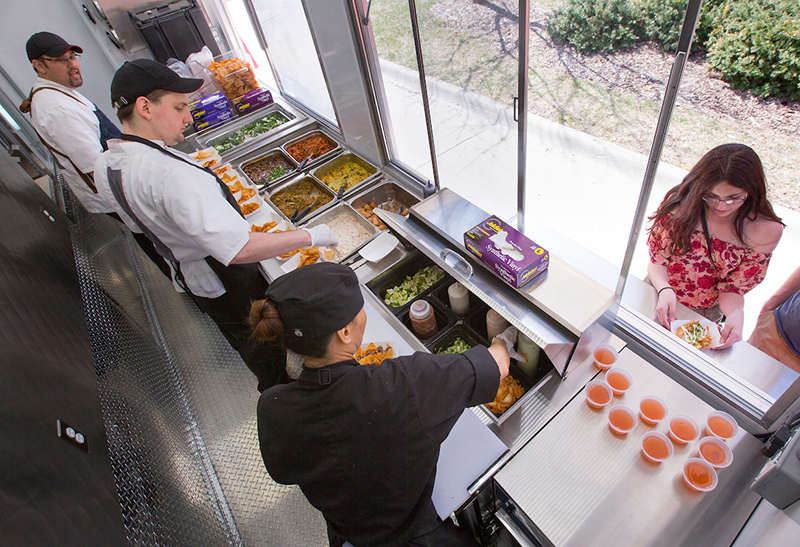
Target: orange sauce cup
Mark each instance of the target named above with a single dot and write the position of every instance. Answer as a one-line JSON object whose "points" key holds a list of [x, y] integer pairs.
{"points": [[652, 410], [619, 379], [683, 429], [605, 355], [598, 394], [721, 424], [621, 419], [716, 452], [699, 475], [656, 447]]}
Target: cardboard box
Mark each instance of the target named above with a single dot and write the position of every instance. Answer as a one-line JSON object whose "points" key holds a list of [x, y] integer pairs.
{"points": [[514, 257], [209, 105], [213, 120], [252, 100]]}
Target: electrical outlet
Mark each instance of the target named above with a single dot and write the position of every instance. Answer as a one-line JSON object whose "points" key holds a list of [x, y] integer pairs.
{"points": [[69, 434]]}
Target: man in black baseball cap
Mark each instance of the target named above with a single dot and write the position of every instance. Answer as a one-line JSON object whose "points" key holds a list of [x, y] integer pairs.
{"points": [[49, 44], [141, 77], [188, 213]]}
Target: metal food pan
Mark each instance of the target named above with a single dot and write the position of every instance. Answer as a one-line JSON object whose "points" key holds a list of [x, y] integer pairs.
{"points": [[444, 321], [322, 190], [389, 194], [332, 217], [395, 275], [342, 159], [318, 159], [220, 134], [260, 155]]}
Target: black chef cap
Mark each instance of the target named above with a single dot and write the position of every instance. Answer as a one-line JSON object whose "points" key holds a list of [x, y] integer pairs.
{"points": [[140, 77], [316, 300], [47, 43]]}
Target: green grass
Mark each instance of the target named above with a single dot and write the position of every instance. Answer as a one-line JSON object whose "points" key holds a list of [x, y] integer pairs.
{"points": [[474, 62]]}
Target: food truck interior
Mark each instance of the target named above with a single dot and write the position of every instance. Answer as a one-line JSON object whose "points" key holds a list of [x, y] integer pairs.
{"points": [[128, 419]]}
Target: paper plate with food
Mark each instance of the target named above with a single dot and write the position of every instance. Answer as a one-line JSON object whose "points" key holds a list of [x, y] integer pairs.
{"points": [[252, 206], [306, 255], [700, 333], [374, 353]]}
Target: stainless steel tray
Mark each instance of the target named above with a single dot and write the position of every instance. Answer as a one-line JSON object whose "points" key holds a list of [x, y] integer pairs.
{"points": [[260, 154], [220, 134], [331, 216], [386, 195], [319, 159], [324, 169], [324, 190]]}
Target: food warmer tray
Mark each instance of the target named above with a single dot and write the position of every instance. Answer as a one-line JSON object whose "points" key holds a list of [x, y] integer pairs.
{"points": [[219, 134], [260, 154], [288, 184], [343, 209], [319, 159], [372, 172]]}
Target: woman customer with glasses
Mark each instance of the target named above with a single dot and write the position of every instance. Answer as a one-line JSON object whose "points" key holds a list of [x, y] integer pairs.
{"points": [[712, 238]]}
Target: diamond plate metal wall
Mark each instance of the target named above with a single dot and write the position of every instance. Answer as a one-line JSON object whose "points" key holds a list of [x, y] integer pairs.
{"points": [[179, 407], [51, 491]]}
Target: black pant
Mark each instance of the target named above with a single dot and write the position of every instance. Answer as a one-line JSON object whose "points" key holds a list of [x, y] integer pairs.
{"points": [[266, 361], [148, 248], [244, 283]]}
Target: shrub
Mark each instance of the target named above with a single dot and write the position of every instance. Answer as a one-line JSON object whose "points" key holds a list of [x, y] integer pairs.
{"points": [[599, 25], [756, 46]]}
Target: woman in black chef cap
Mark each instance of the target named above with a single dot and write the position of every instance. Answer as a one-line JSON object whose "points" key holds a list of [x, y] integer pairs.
{"points": [[362, 441]]}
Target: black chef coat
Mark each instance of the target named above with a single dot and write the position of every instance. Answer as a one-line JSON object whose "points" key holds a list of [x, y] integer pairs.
{"points": [[362, 441]]}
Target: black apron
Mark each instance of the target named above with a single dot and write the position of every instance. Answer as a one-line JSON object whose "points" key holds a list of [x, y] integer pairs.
{"points": [[107, 128], [243, 283]]}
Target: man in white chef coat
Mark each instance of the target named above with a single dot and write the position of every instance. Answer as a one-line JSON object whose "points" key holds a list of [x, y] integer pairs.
{"points": [[68, 123], [188, 213]]}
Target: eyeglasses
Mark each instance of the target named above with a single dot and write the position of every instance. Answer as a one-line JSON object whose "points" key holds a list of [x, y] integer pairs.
{"points": [[64, 60], [717, 201]]}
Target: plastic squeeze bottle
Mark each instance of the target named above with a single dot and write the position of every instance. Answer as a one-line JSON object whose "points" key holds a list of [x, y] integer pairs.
{"points": [[459, 298], [423, 321], [495, 324]]}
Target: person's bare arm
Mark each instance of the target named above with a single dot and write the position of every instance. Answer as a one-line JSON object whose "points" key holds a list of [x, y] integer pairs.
{"points": [[732, 306], [501, 357], [262, 246], [789, 287], [666, 301]]}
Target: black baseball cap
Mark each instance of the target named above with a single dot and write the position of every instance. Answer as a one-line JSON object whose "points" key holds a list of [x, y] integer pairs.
{"points": [[316, 300], [140, 77], [47, 43]]}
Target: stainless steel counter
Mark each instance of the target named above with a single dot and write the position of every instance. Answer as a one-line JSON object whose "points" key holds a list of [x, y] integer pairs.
{"points": [[579, 484]]}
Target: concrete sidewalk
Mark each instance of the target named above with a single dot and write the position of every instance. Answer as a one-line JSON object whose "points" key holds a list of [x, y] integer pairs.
{"points": [[580, 187]]}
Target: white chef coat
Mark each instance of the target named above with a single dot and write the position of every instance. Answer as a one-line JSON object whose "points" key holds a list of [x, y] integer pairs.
{"points": [[71, 127], [182, 205]]}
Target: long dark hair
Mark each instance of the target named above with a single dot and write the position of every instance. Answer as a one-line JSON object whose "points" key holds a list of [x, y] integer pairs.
{"points": [[267, 327], [736, 164]]}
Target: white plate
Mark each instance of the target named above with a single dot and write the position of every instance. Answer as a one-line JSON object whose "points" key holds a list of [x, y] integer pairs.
{"points": [[378, 248], [713, 329]]}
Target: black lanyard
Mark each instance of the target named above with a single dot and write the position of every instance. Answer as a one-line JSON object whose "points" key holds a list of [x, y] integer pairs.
{"points": [[225, 190], [708, 238]]}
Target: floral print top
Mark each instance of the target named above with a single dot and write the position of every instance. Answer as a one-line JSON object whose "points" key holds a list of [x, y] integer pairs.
{"points": [[695, 281]]}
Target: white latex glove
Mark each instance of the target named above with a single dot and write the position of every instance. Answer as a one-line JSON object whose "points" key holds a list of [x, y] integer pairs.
{"points": [[509, 337], [322, 236]]}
